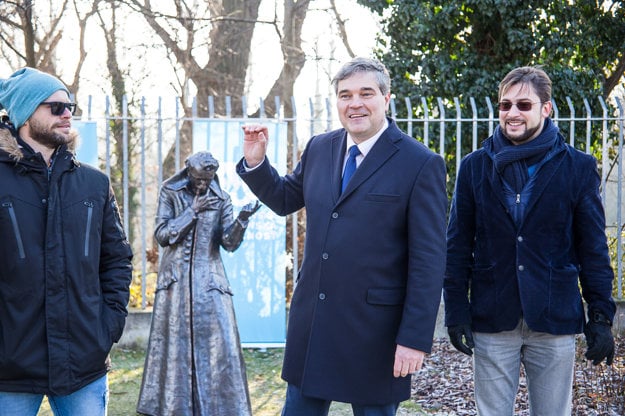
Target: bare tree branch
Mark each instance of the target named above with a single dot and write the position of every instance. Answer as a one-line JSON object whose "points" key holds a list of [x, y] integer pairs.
{"points": [[10, 45], [342, 31], [613, 80], [294, 57], [82, 51]]}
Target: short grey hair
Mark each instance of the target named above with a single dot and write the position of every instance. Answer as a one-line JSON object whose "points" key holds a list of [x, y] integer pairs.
{"points": [[364, 65]]}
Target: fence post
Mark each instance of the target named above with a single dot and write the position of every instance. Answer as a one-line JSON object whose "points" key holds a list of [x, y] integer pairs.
{"points": [[441, 136], [458, 133], [619, 199], [125, 174], [426, 122], [572, 122], [144, 266], [604, 149]]}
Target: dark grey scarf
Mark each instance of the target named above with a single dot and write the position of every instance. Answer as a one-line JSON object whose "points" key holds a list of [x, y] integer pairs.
{"points": [[512, 161]]}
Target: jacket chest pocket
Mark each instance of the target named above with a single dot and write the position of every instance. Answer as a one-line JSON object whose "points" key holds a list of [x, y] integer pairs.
{"points": [[9, 211], [82, 222], [88, 225]]}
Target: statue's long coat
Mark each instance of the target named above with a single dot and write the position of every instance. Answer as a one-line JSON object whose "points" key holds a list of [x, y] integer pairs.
{"points": [[194, 365]]}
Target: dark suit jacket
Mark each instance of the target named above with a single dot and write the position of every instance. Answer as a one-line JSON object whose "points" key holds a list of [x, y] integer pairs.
{"points": [[373, 265], [498, 271]]}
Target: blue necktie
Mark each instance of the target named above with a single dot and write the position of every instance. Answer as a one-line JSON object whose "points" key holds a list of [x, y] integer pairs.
{"points": [[350, 166]]}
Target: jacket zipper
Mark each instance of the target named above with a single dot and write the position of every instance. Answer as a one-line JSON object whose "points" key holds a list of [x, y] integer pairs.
{"points": [[16, 229], [89, 215]]}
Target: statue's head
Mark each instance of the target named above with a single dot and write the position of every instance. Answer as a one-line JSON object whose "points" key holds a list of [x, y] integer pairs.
{"points": [[201, 169]]}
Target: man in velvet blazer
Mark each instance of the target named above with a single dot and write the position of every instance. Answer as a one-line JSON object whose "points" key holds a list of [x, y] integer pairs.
{"points": [[366, 297], [526, 232]]}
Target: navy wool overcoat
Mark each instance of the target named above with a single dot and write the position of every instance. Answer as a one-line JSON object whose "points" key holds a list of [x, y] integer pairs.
{"points": [[373, 266]]}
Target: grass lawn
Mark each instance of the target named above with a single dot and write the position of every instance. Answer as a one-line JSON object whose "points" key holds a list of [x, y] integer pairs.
{"points": [[263, 374]]}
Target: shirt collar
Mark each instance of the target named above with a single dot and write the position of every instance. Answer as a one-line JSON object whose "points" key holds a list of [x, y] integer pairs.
{"points": [[366, 145]]}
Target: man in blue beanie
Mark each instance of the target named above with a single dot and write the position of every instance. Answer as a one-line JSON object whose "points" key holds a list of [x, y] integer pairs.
{"points": [[65, 262]]}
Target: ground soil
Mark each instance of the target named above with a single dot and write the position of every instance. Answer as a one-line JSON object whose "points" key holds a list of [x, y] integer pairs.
{"points": [[445, 384]]}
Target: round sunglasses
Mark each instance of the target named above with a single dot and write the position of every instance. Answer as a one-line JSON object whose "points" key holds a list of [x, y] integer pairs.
{"points": [[57, 108]]}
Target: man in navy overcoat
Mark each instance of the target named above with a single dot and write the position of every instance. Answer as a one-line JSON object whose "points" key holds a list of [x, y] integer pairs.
{"points": [[366, 297]]}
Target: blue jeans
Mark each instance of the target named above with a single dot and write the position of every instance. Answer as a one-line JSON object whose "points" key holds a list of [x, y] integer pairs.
{"points": [[548, 361], [91, 400], [297, 404]]}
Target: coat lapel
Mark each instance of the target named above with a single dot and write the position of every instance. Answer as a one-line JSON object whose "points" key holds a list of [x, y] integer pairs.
{"points": [[338, 154], [379, 154]]}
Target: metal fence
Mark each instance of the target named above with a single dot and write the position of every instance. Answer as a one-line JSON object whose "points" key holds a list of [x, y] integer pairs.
{"points": [[452, 127]]}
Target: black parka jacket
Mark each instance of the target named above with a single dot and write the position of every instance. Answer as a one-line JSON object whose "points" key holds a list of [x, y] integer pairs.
{"points": [[65, 271]]}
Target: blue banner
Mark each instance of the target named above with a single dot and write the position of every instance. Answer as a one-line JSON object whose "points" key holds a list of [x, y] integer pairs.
{"points": [[87, 149], [256, 270]]}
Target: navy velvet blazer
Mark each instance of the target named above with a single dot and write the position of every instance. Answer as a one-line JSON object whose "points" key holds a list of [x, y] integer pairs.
{"points": [[498, 271], [373, 266]]}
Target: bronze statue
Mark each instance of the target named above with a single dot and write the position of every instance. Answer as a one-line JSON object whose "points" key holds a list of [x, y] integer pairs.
{"points": [[194, 363]]}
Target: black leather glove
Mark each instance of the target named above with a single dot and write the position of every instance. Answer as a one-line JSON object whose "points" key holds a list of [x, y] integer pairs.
{"points": [[599, 338], [456, 333]]}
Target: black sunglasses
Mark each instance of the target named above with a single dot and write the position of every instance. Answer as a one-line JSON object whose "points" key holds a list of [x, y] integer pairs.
{"points": [[57, 108], [521, 105]]}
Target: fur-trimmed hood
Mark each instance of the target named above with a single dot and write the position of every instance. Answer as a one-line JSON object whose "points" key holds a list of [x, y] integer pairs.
{"points": [[10, 145]]}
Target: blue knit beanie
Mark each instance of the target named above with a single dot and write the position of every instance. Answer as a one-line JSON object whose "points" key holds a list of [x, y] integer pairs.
{"points": [[22, 92]]}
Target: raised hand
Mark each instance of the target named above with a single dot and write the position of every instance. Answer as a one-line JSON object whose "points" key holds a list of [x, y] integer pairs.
{"points": [[255, 140]]}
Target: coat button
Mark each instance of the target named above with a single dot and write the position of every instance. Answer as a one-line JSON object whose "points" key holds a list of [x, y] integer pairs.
{"points": [[322, 296], [519, 239], [335, 215], [325, 256], [521, 267]]}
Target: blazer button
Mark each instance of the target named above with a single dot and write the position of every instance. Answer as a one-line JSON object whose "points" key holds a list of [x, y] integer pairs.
{"points": [[520, 239], [325, 256], [322, 296], [521, 267], [335, 215]]}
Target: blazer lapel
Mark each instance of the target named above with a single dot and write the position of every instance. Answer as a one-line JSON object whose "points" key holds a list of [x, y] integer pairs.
{"points": [[542, 180], [495, 183]]}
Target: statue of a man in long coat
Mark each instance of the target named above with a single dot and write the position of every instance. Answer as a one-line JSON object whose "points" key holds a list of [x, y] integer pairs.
{"points": [[194, 364]]}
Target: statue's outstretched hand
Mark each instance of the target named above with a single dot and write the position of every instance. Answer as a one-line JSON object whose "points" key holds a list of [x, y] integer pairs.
{"points": [[248, 210]]}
